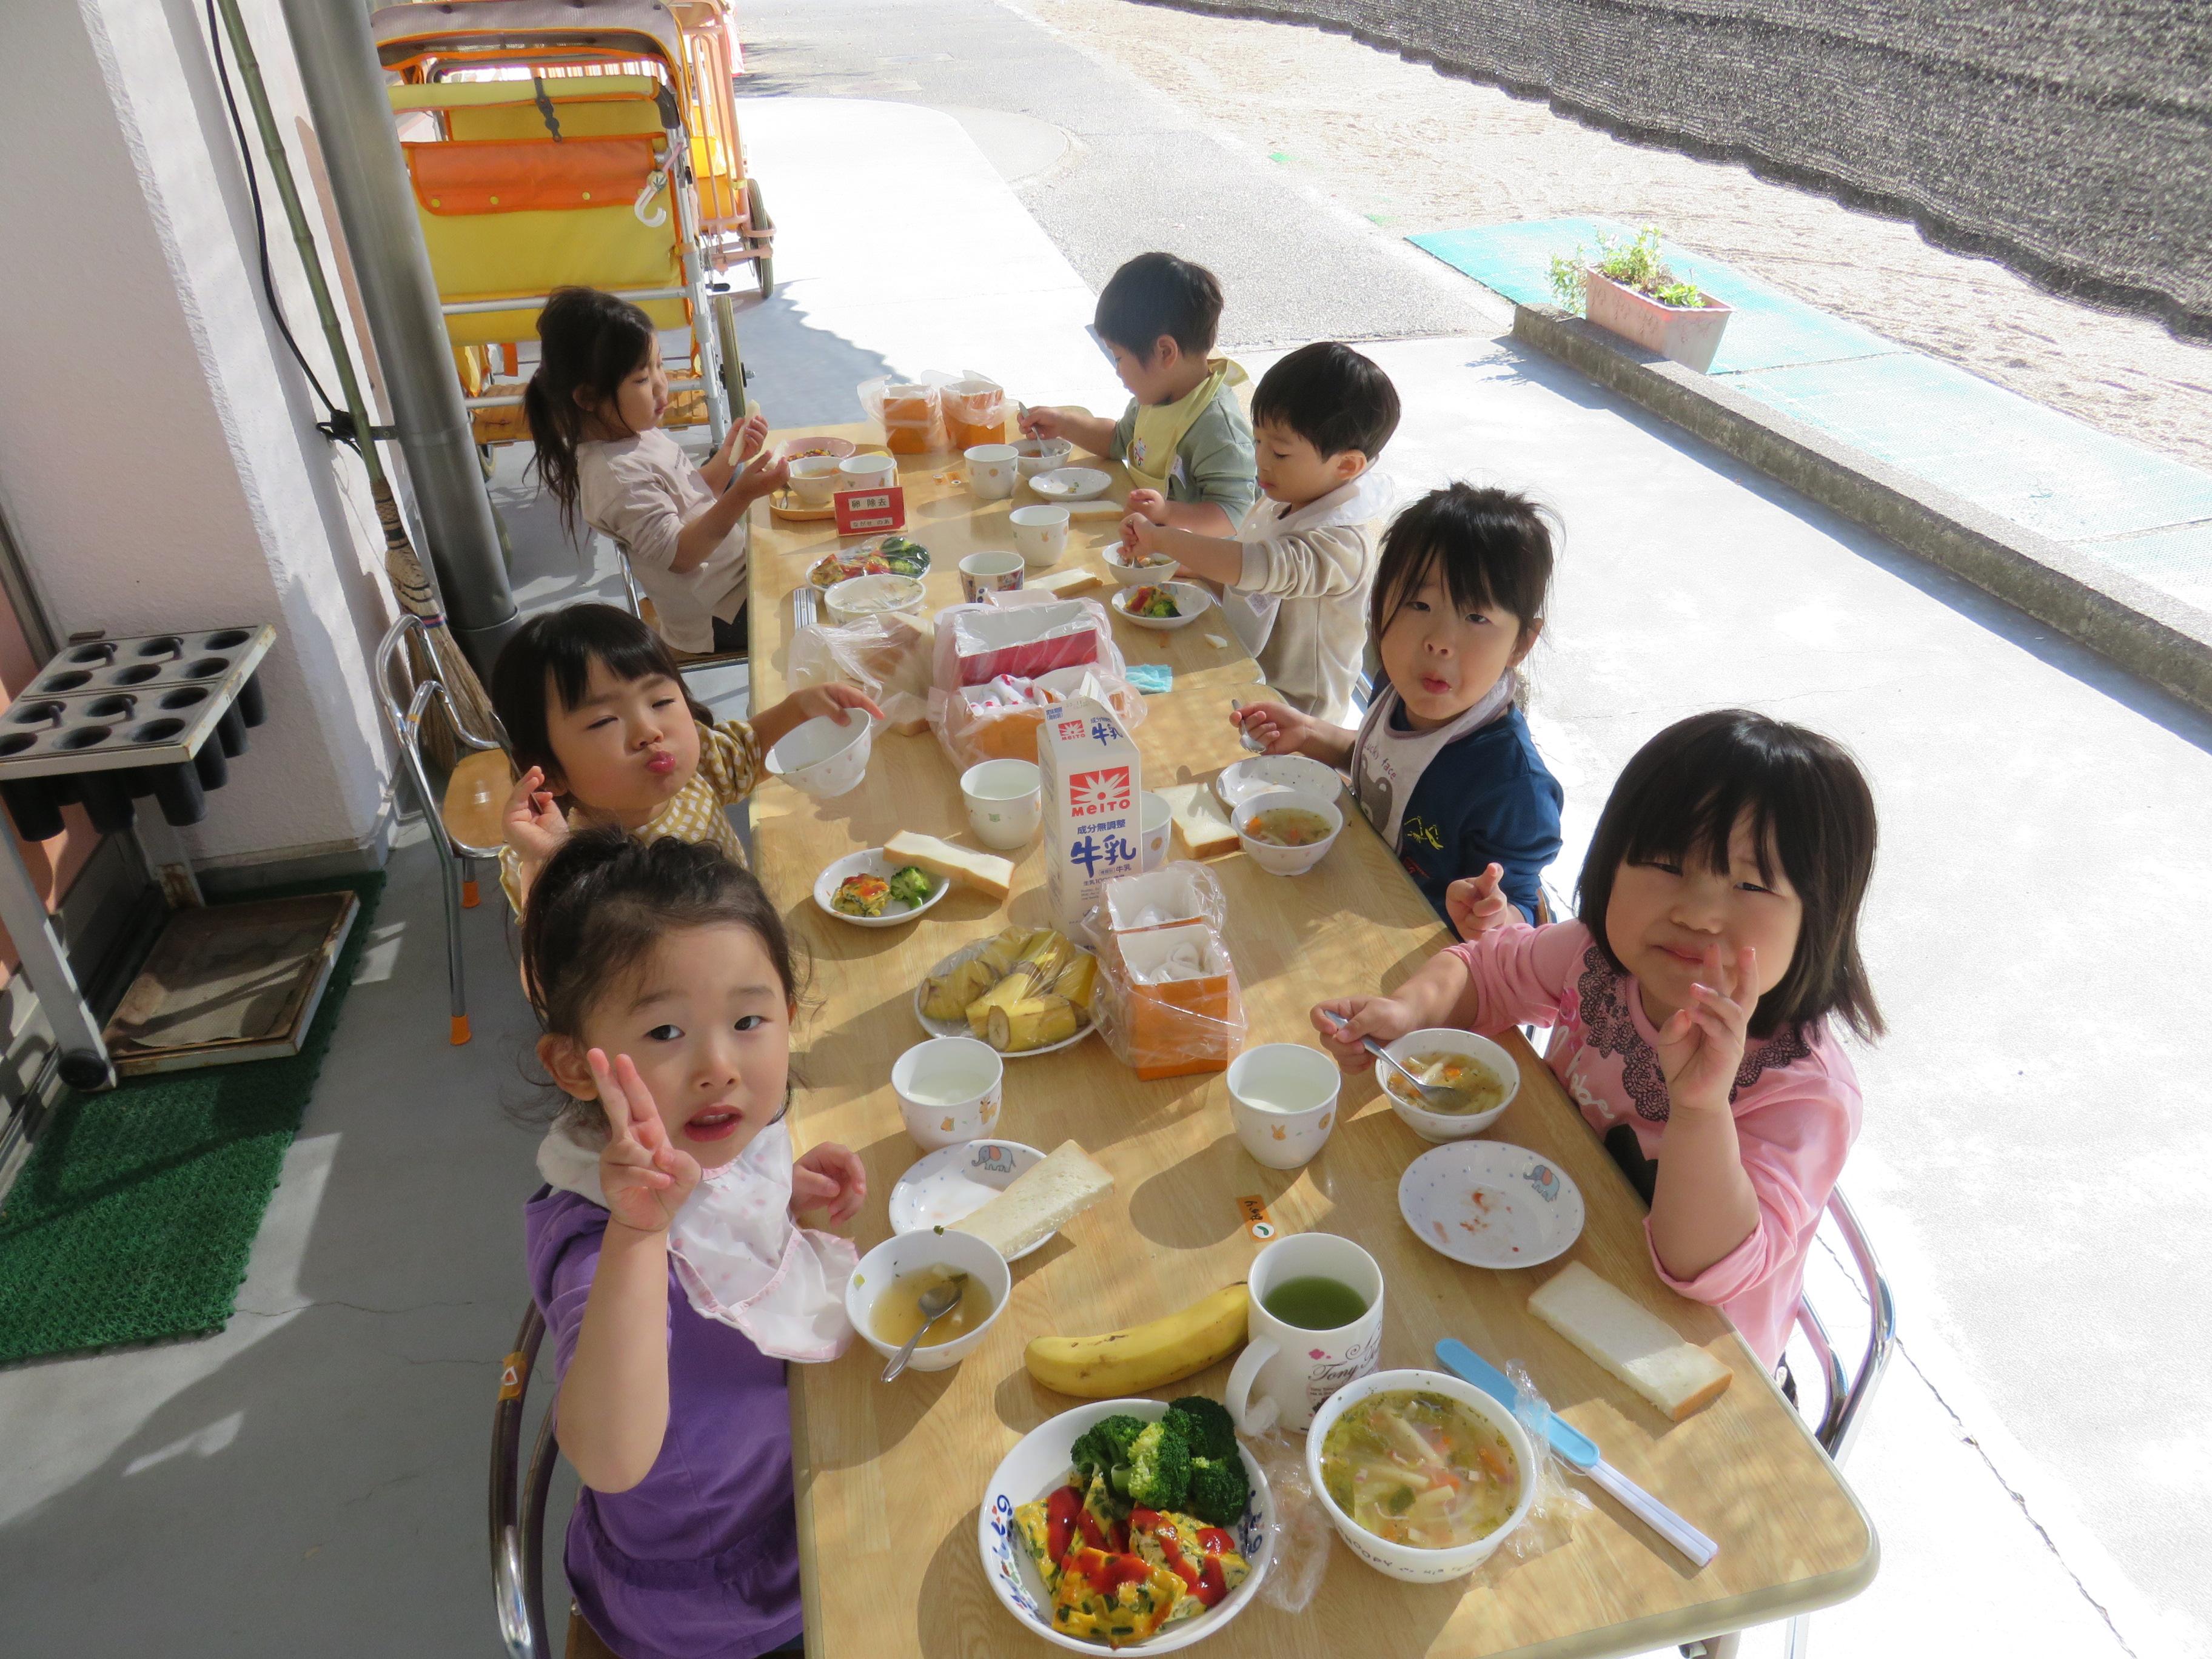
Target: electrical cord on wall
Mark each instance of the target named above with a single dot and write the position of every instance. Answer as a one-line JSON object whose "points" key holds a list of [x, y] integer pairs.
{"points": [[338, 426]]}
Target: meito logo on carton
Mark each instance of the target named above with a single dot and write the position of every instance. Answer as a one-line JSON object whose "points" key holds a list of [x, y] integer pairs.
{"points": [[1091, 793]]}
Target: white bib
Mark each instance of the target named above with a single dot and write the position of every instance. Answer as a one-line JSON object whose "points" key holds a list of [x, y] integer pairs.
{"points": [[1386, 764], [739, 1256]]}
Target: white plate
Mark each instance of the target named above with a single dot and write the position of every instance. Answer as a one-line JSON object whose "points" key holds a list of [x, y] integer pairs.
{"points": [[1038, 1465], [871, 863], [1071, 483], [1239, 781], [1190, 598], [955, 1182], [1491, 1205], [959, 1027]]}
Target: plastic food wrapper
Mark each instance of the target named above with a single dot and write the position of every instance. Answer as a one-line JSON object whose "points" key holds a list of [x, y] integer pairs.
{"points": [[1172, 895], [1558, 1507], [1304, 1534], [911, 412], [978, 643], [1000, 721], [886, 655], [1167, 1002], [976, 411]]}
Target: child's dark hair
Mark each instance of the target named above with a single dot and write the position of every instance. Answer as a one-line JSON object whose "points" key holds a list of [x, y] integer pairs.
{"points": [[1679, 798], [605, 900], [1332, 396], [1156, 293], [1490, 550], [588, 340], [551, 656]]}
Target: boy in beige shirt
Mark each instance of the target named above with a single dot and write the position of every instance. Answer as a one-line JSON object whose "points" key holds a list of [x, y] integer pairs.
{"points": [[1295, 576]]}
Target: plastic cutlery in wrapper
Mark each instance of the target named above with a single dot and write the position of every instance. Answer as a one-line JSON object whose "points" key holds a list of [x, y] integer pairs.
{"points": [[1580, 1451]]}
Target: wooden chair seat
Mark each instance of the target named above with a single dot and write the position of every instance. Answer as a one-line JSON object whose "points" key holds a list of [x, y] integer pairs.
{"points": [[474, 796]]}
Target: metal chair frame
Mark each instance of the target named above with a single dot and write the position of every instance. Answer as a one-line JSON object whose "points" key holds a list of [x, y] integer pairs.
{"points": [[454, 856], [518, 1502]]}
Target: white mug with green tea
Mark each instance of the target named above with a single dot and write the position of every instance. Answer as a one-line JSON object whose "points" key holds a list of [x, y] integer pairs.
{"points": [[1316, 1324]]}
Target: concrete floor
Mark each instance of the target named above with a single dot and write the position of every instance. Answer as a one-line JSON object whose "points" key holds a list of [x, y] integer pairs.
{"points": [[311, 1480]]}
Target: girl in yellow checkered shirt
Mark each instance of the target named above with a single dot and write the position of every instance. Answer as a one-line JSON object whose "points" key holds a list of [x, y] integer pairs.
{"points": [[598, 720]]}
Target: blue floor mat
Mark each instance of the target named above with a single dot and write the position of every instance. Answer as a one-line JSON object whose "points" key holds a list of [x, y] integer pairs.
{"points": [[1770, 328], [2177, 560]]}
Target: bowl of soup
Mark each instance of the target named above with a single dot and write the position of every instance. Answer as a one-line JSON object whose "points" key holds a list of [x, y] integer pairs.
{"points": [[1424, 1475], [882, 1297], [1481, 1076], [1287, 831]]}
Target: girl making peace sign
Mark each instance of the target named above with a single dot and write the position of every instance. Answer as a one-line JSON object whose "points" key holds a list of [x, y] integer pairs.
{"points": [[663, 1251]]}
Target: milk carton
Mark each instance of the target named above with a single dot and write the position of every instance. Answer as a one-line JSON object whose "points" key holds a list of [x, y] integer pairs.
{"points": [[1091, 786]]}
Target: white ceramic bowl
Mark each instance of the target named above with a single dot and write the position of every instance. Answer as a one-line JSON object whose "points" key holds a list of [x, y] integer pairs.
{"points": [[1135, 575], [1407, 1561], [815, 479], [867, 471], [905, 1252], [951, 1183], [1042, 455], [950, 1089], [1239, 781], [1282, 1103], [1005, 801], [1191, 601], [1071, 483], [871, 863], [873, 596], [1287, 861], [1040, 1463], [822, 758], [1040, 534], [1447, 1125]]}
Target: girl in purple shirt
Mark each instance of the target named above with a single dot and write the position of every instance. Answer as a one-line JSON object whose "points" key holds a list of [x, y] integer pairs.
{"points": [[663, 1251]]}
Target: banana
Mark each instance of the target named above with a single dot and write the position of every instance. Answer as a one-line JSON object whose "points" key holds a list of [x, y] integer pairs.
{"points": [[1143, 1357]]}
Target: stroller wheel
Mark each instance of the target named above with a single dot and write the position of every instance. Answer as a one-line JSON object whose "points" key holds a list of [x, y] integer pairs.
{"points": [[764, 273]]}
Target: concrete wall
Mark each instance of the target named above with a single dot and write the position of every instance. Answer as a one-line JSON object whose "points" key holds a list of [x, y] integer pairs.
{"points": [[158, 459]]}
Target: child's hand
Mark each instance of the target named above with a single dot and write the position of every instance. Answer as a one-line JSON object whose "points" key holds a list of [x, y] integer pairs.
{"points": [[533, 825], [763, 475], [751, 436], [644, 1179], [1149, 504], [829, 1175], [1140, 535], [833, 699], [1282, 728], [1701, 1045], [1383, 1019], [1042, 423], [1475, 905]]}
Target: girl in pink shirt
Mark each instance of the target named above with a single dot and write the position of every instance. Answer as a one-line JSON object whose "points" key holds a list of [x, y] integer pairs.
{"points": [[1692, 999]]}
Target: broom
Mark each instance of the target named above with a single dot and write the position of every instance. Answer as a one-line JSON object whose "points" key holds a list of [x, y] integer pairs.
{"points": [[410, 583]]}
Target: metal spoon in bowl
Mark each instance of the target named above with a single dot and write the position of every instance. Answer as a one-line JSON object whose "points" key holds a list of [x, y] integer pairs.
{"points": [[934, 1304], [1431, 1092]]}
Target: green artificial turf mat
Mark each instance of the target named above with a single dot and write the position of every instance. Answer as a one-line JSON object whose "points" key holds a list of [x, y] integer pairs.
{"points": [[132, 1220]]}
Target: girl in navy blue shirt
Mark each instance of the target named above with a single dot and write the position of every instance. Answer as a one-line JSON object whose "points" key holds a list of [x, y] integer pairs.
{"points": [[1443, 765]]}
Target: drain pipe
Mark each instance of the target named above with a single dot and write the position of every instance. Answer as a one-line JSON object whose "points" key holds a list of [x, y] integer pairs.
{"points": [[345, 84]]}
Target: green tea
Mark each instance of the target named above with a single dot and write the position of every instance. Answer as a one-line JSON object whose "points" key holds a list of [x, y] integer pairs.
{"points": [[1315, 1303]]}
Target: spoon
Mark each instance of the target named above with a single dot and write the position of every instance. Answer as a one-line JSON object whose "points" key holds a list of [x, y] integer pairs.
{"points": [[934, 1304], [1429, 1091], [1244, 737]]}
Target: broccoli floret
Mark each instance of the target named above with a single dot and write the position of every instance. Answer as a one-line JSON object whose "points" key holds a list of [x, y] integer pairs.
{"points": [[1207, 1425], [1158, 1472], [1219, 1490], [1104, 1444], [912, 885]]}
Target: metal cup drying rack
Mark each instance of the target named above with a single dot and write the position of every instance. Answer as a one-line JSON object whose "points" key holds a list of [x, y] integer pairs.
{"points": [[105, 724]]}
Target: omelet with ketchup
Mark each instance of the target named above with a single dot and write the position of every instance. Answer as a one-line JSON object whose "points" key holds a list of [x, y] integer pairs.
{"points": [[1117, 1581]]}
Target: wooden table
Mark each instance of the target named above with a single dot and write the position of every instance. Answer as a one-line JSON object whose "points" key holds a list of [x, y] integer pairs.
{"points": [[890, 1478]]}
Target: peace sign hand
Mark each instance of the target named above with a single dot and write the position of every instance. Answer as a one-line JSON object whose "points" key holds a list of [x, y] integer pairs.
{"points": [[644, 1179], [1701, 1045], [1475, 905]]}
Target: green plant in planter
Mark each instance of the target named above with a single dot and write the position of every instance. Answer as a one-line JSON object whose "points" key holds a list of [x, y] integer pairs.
{"points": [[1634, 264]]}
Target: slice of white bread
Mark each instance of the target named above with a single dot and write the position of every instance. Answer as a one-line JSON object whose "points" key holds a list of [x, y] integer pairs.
{"points": [[1039, 1201], [1631, 1342], [981, 870], [1064, 582], [1199, 819]]}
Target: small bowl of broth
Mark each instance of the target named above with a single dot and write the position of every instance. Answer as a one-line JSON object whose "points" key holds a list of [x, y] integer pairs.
{"points": [[1287, 831], [1424, 1475], [1481, 1077], [883, 1298]]}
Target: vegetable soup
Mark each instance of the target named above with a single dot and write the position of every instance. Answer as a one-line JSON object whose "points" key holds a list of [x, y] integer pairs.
{"points": [[1287, 826], [1473, 1088], [1419, 1468]]}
